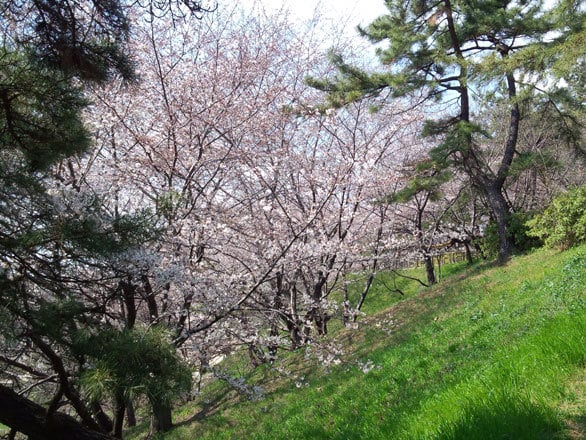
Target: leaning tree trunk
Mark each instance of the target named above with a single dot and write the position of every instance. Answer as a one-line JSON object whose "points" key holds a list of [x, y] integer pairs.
{"points": [[101, 417], [31, 419], [498, 203]]}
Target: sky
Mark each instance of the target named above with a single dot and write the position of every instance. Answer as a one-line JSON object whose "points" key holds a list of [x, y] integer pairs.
{"points": [[349, 12], [357, 11], [345, 13]]}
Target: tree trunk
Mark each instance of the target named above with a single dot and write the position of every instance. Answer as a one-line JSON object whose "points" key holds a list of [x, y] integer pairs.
{"points": [[500, 210], [469, 259], [130, 415], [161, 420], [316, 312], [102, 418], [346, 312], [25, 416], [429, 270], [494, 191], [367, 287], [68, 390], [119, 409]]}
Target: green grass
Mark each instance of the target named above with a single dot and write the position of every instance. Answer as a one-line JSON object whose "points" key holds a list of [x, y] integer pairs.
{"points": [[491, 353]]}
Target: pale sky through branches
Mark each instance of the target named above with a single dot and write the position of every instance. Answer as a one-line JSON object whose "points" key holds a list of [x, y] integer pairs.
{"points": [[349, 12], [342, 15], [358, 12]]}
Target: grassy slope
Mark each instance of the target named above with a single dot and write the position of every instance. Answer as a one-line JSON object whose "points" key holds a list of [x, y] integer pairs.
{"points": [[490, 353]]}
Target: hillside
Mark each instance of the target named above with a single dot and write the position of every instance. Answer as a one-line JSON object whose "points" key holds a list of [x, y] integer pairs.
{"points": [[489, 353]]}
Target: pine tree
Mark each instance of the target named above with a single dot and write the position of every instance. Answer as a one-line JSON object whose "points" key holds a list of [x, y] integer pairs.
{"points": [[459, 55], [58, 247]]}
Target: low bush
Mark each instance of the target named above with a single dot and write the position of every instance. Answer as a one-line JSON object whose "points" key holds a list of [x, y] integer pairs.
{"points": [[563, 223]]}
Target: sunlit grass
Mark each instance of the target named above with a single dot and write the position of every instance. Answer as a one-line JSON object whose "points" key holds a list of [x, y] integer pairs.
{"points": [[491, 353]]}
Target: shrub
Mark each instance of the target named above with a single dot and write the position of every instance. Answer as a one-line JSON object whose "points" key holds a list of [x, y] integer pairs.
{"points": [[518, 230], [563, 223]]}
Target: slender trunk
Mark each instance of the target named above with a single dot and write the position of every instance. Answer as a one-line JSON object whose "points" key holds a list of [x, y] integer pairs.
{"points": [[119, 409], [149, 296], [68, 390], [429, 270], [346, 312], [129, 293], [316, 313], [161, 420], [500, 206], [293, 322], [367, 286], [469, 259], [370, 280], [277, 306], [130, 415], [294, 329]]}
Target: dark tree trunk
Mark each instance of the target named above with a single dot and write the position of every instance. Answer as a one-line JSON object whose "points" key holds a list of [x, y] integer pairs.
{"points": [[469, 259], [161, 420], [367, 287], [130, 415], [119, 409], [294, 329], [429, 270], [68, 390], [500, 210], [102, 418], [129, 293], [491, 186], [316, 312], [346, 314], [25, 416], [292, 321], [277, 306], [150, 299], [370, 280]]}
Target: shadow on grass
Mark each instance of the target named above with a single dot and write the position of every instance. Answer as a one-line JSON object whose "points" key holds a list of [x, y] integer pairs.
{"points": [[576, 427], [505, 419], [207, 408]]}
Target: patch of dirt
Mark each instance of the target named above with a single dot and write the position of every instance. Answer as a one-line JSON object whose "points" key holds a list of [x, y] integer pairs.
{"points": [[574, 407]]}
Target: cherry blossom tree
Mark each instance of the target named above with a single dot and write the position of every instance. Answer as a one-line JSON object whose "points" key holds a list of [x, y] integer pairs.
{"points": [[265, 201]]}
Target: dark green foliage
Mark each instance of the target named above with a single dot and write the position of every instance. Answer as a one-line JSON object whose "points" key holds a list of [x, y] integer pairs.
{"points": [[59, 248], [46, 45], [134, 362], [87, 42], [519, 234], [101, 235], [563, 223], [39, 112], [351, 84], [427, 179], [529, 160]]}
